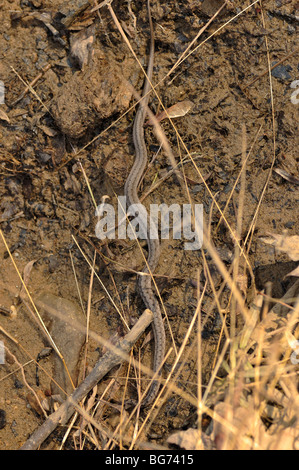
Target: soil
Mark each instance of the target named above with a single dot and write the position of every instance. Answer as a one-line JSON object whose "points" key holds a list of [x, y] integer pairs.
{"points": [[68, 143]]}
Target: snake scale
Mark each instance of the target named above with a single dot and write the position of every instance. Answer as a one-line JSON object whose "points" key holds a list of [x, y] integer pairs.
{"points": [[144, 282]]}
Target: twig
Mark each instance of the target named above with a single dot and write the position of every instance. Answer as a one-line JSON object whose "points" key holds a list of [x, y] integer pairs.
{"points": [[32, 90], [267, 71], [31, 84], [102, 4], [102, 367], [25, 380]]}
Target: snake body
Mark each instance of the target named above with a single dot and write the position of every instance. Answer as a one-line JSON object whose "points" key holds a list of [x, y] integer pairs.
{"points": [[144, 283]]}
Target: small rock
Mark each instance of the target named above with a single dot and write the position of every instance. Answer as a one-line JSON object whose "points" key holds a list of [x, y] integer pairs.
{"points": [[2, 418], [44, 157], [281, 72], [18, 384], [53, 263]]}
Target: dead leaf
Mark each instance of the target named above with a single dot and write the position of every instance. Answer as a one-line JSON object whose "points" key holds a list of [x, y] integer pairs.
{"points": [[3, 116], [241, 428], [234, 426], [285, 439], [27, 270], [210, 7], [47, 130], [38, 402], [295, 272], [191, 439], [177, 110], [64, 319], [72, 183], [242, 282], [76, 18], [289, 245], [287, 176], [26, 276], [81, 46], [88, 407]]}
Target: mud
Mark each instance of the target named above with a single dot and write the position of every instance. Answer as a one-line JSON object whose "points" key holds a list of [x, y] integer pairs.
{"points": [[59, 316]]}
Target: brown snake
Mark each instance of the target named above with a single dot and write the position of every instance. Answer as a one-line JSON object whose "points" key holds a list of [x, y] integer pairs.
{"points": [[145, 280]]}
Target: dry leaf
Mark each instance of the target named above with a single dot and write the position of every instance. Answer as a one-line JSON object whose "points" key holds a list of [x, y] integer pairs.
{"points": [[210, 7], [46, 17], [286, 439], [177, 110], [236, 427], [39, 402], [76, 18], [287, 176], [47, 130], [191, 439], [3, 116], [285, 436], [26, 276], [81, 46], [292, 341], [295, 272], [242, 282], [289, 245], [27, 270], [246, 431]]}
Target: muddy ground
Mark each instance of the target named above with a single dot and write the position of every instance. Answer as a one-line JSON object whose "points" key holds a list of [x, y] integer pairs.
{"points": [[62, 148]]}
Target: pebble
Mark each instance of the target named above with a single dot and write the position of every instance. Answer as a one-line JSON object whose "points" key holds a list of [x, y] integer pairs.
{"points": [[289, 224], [291, 29], [2, 418], [53, 263], [18, 384], [281, 71], [44, 157]]}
